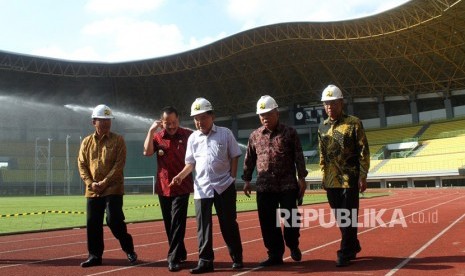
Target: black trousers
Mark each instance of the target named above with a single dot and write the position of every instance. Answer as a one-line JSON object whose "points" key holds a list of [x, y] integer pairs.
{"points": [[225, 206], [346, 200], [267, 205], [112, 205], [174, 212]]}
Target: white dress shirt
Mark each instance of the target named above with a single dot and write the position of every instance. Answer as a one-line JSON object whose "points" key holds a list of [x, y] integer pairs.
{"points": [[212, 156]]}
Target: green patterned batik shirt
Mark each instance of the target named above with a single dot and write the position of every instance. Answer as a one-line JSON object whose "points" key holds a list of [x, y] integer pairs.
{"points": [[344, 152]]}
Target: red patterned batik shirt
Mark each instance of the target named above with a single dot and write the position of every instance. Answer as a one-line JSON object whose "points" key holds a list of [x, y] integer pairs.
{"points": [[170, 151]]}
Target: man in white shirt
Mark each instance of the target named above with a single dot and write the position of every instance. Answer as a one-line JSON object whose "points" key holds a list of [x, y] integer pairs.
{"points": [[214, 154]]}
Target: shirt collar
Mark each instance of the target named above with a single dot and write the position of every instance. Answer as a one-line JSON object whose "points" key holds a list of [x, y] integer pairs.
{"points": [[279, 128], [166, 136], [211, 130], [332, 122], [103, 137]]}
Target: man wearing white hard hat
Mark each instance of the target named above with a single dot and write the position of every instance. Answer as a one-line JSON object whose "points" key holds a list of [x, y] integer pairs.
{"points": [[214, 153], [344, 162], [275, 150], [101, 161]]}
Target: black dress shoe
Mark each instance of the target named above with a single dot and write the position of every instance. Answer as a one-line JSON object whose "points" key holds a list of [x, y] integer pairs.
{"points": [[296, 255], [342, 262], [173, 266], [92, 261], [132, 257], [271, 261], [353, 256], [238, 265], [202, 267]]}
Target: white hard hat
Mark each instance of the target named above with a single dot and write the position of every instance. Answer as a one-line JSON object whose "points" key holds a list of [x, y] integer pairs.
{"points": [[200, 105], [266, 104], [332, 92], [102, 111]]}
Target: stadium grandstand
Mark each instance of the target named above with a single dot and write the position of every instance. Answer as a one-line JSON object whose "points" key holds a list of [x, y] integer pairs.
{"points": [[402, 72]]}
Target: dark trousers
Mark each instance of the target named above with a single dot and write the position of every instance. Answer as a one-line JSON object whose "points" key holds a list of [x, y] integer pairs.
{"points": [[267, 205], [346, 199], [112, 205], [225, 205], [174, 211]]}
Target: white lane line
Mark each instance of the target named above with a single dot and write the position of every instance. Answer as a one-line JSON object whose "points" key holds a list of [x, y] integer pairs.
{"points": [[383, 225], [194, 236], [256, 268], [190, 220], [131, 226], [161, 260], [406, 260], [336, 241], [107, 232]]}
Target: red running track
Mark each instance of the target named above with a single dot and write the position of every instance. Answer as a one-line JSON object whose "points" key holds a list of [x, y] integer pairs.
{"points": [[412, 232]]}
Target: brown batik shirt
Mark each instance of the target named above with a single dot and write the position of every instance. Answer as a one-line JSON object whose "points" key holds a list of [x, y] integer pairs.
{"points": [[103, 160], [278, 157], [344, 152]]}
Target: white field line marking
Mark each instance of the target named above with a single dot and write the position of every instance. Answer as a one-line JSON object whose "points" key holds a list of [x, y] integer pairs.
{"points": [[414, 254]]}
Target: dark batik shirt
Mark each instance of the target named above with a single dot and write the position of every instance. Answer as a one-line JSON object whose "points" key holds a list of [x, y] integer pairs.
{"points": [[278, 157], [344, 152], [171, 151]]}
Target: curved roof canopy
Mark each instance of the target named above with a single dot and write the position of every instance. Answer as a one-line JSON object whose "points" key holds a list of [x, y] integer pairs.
{"points": [[416, 48]]}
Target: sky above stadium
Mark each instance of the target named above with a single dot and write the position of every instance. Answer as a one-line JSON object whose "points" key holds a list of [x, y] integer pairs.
{"points": [[127, 30]]}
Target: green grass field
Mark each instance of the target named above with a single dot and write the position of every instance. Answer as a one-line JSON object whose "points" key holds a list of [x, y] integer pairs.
{"points": [[26, 214]]}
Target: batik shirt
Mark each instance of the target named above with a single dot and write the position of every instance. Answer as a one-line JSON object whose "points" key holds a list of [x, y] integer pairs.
{"points": [[171, 151], [344, 152], [278, 157], [103, 160]]}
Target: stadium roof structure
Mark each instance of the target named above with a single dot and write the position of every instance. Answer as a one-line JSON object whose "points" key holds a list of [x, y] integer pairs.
{"points": [[416, 48]]}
